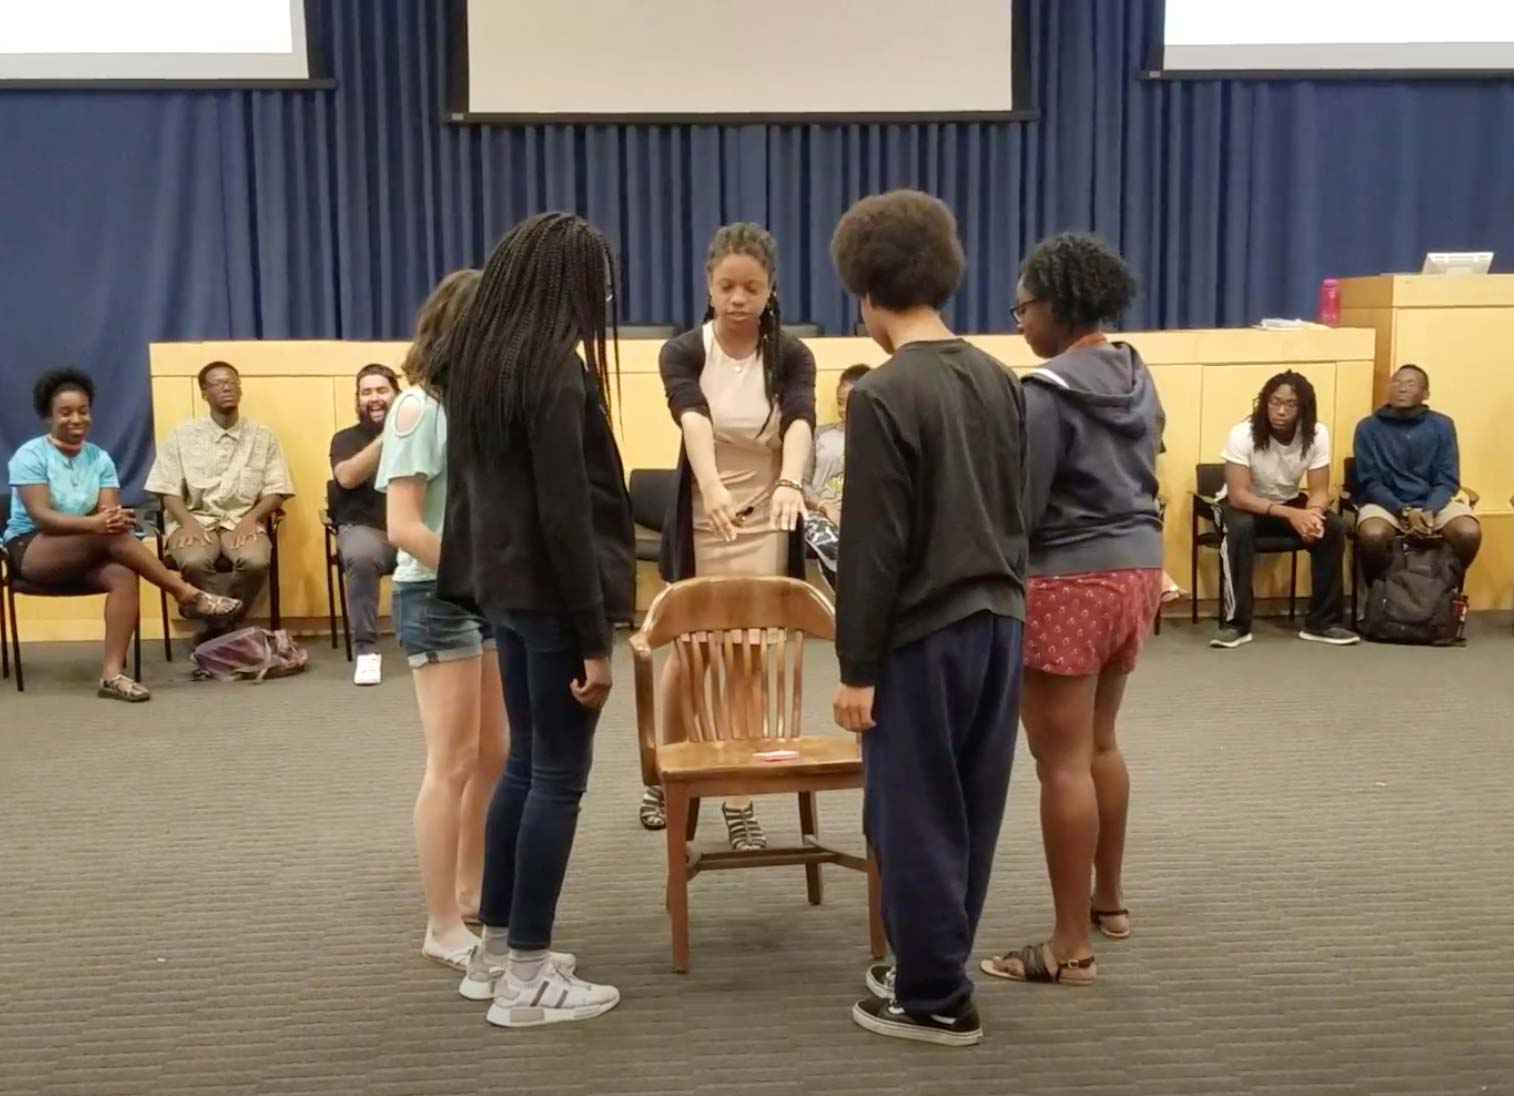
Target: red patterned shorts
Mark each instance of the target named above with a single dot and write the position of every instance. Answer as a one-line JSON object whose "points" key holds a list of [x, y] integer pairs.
{"points": [[1084, 624]]}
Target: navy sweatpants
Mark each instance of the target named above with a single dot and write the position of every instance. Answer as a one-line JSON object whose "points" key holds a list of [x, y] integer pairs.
{"points": [[935, 776]]}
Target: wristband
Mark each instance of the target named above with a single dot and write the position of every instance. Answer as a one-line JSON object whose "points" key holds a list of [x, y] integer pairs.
{"points": [[792, 484]]}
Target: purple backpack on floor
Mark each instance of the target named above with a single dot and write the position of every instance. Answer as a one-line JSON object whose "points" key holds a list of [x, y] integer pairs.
{"points": [[249, 654]]}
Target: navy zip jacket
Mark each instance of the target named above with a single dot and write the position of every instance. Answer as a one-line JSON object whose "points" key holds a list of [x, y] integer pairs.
{"points": [[1407, 460]]}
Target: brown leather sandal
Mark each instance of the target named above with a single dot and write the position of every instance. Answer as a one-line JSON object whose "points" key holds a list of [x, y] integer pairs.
{"points": [[1097, 918], [1033, 967], [207, 606], [123, 688]]}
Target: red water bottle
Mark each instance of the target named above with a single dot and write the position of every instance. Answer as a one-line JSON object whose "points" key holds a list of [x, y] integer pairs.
{"points": [[1328, 311]]}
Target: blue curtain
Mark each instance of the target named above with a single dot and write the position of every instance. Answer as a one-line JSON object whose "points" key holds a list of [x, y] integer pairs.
{"points": [[130, 217]]}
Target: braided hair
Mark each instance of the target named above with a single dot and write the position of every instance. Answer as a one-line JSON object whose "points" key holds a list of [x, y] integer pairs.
{"points": [[1261, 429], [546, 290], [755, 242]]}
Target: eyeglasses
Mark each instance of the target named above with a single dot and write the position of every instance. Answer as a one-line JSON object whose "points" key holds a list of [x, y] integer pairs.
{"points": [[1282, 404], [1017, 312], [232, 385]]}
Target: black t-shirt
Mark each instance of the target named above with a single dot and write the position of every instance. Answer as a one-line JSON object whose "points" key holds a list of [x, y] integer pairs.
{"points": [[360, 505]]}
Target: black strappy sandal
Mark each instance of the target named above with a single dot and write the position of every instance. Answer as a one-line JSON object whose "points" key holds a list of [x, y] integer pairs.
{"points": [[654, 812], [1034, 969], [1096, 917]]}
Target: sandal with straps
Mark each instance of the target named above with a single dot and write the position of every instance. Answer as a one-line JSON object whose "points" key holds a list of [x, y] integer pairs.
{"points": [[1096, 917], [742, 829], [203, 605], [1033, 967], [654, 811], [123, 688]]}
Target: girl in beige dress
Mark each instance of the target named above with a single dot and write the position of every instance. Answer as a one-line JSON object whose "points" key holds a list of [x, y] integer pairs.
{"points": [[743, 394]]}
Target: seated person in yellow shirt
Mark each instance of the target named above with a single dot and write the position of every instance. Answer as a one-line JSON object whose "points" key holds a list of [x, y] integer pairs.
{"points": [[219, 476]]}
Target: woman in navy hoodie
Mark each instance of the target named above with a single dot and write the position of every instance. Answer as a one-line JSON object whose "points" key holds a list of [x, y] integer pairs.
{"points": [[1095, 424]]}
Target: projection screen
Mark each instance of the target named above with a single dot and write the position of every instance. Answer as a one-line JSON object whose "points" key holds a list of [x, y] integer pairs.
{"points": [[150, 41], [1370, 36], [676, 60]]}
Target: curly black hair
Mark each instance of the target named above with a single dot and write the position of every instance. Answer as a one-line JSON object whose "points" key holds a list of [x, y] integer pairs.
{"points": [[1082, 279], [1308, 410], [900, 249], [63, 379]]}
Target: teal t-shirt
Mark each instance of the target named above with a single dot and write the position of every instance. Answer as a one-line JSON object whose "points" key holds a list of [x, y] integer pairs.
{"points": [[73, 483], [418, 451]]}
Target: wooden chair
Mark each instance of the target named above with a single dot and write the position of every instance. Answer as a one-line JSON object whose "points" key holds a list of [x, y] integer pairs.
{"points": [[714, 626]]}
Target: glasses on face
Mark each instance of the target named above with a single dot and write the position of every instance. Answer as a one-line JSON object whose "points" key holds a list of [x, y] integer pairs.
{"points": [[232, 385], [1282, 404], [1017, 312]]}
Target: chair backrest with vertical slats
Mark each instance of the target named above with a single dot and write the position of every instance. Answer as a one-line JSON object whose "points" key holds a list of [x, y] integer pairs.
{"points": [[728, 632]]}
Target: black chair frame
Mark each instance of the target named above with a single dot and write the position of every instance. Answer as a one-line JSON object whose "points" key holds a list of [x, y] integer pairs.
{"points": [[1208, 479]]}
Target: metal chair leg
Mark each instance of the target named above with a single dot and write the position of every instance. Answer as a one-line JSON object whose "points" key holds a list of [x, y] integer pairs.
{"points": [[10, 597], [163, 602], [5, 645], [274, 618], [331, 562], [1193, 569], [1293, 588], [136, 649], [341, 589]]}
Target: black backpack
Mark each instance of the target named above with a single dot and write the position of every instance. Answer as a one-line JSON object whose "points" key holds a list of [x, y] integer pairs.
{"points": [[1418, 599]]}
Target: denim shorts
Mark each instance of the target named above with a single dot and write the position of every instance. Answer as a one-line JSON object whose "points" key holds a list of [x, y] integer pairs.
{"points": [[432, 630]]}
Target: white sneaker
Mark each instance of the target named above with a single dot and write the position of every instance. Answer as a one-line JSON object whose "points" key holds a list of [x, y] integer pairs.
{"points": [[551, 998], [485, 970], [369, 670]]}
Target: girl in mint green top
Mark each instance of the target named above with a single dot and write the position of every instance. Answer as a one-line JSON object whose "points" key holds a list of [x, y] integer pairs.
{"points": [[415, 444]]}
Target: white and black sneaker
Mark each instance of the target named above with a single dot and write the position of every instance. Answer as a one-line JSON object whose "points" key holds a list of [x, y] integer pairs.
{"points": [[880, 981], [1230, 638], [485, 969], [552, 997], [1335, 635], [886, 1018]]}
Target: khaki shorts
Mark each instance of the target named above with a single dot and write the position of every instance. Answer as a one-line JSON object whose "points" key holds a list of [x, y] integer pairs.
{"points": [[1452, 510]]}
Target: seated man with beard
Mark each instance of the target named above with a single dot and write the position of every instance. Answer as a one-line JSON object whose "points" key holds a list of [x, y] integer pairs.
{"points": [[357, 511]]}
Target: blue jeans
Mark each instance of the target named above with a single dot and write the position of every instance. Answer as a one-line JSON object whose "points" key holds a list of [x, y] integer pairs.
{"points": [[533, 816]]}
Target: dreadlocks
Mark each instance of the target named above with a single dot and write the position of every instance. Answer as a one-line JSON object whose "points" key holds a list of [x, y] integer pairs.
{"points": [[755, 242], [1261, 429], [546, 289]]}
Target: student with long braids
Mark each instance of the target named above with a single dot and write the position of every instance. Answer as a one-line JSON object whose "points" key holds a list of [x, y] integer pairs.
{"points": [[451, 652], [540, 539], [743, 394]]}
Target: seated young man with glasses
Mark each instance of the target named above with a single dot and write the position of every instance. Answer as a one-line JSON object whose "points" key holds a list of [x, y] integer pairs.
{"points": [[1266, 457], [219, 477]]}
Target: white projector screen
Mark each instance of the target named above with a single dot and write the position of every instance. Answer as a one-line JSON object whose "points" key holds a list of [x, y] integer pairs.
{"points": [[667, 60], [115, 41], [1338, 35]]}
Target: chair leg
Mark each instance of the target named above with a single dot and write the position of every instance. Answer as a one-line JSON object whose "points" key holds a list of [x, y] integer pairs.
{"points": [[331, 562], [693, 817], [677, 798], [136, 650], [877, 939], [274, 619], [809, 828], [1193, 569], [10, 597], [5, 643], [1293, 590], [163, 602], [341, 600]]}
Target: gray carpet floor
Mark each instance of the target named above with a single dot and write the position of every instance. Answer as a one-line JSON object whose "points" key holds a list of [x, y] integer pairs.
{"points": [[215, 893]]}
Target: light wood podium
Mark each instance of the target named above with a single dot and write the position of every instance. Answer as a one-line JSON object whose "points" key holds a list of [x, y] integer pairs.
{"points": [[304, 392], [1460, 330]]}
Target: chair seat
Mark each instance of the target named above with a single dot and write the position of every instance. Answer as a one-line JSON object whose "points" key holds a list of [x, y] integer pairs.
{"points": [[828, 756], [648, 544], [1280, 544], [63, 589]]}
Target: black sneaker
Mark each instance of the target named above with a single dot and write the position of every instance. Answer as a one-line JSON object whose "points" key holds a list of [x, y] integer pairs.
{"points": [[887, 1018], [1335, 634], [880, 981], [1230, 638]]}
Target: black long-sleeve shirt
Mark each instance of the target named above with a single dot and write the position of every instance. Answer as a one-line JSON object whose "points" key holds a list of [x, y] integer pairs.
{"points": [[546, 526], [933, 530]]}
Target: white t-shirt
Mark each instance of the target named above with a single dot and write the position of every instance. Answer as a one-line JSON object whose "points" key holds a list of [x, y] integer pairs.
{"points": [[1278, 470]]}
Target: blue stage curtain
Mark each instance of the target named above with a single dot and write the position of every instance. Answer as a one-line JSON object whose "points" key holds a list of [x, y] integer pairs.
{"points": [[129, 217]]}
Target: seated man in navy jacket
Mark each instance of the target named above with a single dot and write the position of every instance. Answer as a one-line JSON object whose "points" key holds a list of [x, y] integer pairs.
{"points": [[1408, 475]]}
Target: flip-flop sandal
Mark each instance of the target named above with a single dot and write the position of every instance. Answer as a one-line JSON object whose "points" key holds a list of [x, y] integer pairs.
{"points": [[123, 688], [1034, 969], [1097, 918], [654, 811], [208, 606]]}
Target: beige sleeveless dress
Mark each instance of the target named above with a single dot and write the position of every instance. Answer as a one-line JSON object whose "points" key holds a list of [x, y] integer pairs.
{"points": [[749, 458]]}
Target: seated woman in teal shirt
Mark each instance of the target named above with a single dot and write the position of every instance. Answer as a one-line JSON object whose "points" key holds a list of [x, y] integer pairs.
{"points": [[67, 525]]}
